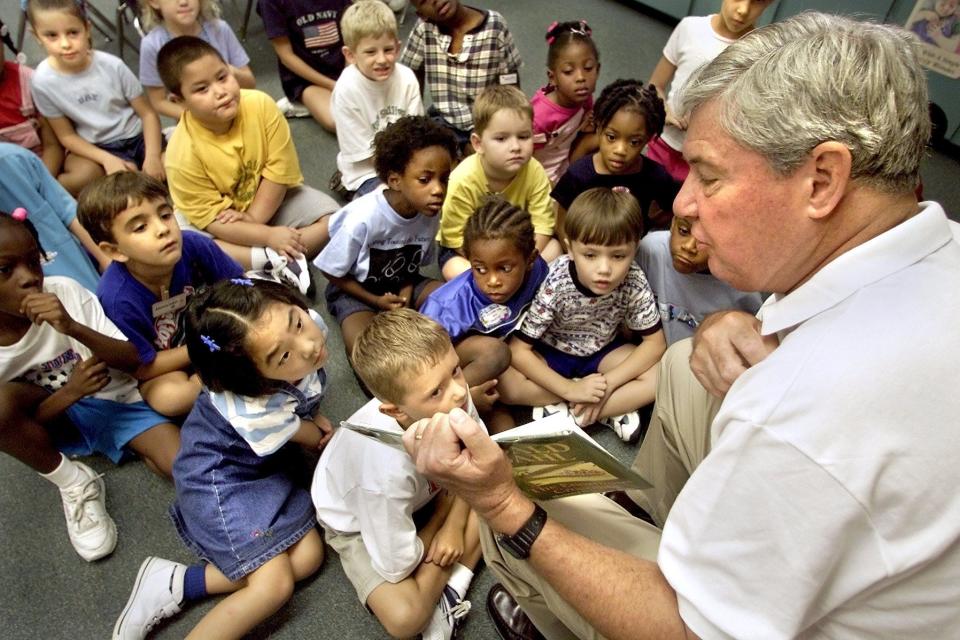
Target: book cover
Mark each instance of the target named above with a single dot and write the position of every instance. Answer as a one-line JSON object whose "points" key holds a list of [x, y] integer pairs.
{"points": [[552, 458]]}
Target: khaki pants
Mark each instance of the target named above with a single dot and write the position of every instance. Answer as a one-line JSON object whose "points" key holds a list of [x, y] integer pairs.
{"points": [[677, 440]]}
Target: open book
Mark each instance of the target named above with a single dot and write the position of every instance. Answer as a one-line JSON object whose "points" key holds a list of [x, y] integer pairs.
{"points": [[552, 458]]}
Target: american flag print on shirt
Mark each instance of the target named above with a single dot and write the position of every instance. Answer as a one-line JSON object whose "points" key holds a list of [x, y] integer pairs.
{"points": [[321, 35]]}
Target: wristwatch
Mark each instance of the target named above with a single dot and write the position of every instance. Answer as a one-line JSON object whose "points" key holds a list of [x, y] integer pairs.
{"points": [[519, 543]]}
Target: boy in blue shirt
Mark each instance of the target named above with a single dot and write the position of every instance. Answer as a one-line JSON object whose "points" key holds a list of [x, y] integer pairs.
{"points": [[155, 270]]}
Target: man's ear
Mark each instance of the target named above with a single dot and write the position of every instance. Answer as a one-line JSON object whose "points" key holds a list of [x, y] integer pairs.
{"points": [[829, 167], [348, 54], [111, 250]]}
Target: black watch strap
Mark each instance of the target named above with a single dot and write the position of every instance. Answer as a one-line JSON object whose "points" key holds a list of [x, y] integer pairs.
{"points": [[519, 543]]}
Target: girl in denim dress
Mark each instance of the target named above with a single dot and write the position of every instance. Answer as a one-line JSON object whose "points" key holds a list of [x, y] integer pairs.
{"points": [[258, 349]]}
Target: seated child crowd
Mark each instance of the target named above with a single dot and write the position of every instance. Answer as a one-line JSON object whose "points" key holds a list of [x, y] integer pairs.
{"points": [[199, 348]]}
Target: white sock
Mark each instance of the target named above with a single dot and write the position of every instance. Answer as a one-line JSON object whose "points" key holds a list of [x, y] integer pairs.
{"points": [[258, 258], [66, 474], [460, 579]]}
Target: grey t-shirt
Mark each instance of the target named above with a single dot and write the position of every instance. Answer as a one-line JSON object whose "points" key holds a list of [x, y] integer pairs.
{"points": [[684, 300], [96, 100]]}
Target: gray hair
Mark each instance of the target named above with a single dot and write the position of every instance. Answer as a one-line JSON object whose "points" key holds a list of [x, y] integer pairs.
{"points": [[792, 85]]}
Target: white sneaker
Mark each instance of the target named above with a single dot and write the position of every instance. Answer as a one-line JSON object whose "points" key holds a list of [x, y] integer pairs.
{"points": [[92, 531], [293, 273], [448, 617], [157, 594], [539, 413], [626, 426], [292, 109]]}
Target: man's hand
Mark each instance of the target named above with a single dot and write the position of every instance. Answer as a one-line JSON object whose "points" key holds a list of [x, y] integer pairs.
{"points": [[456, 452], [726, 344], [87, 377], [46, 307], [485, 395]]}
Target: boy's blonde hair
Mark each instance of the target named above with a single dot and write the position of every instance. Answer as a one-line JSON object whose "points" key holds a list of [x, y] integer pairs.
{"points": [[602, 216], [367, 19], [395, 346], [494, 98], [150, 18]]}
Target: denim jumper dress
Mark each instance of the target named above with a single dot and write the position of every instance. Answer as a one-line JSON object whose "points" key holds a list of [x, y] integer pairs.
{"points": [[235, 509]]}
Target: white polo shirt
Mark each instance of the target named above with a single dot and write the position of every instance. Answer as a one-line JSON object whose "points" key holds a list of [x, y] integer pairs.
{"points": [[829, 504]]}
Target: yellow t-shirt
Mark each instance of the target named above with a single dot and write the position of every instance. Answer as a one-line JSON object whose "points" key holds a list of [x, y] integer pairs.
{"points": [[209, 172], [529, 190]]}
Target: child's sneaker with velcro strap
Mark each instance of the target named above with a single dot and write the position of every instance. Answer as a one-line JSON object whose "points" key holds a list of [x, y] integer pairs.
{"points": [[157, 594]]}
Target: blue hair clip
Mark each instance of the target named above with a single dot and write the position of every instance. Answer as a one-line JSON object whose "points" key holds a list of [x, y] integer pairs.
{"points": [[246, 282], [207, 340]]}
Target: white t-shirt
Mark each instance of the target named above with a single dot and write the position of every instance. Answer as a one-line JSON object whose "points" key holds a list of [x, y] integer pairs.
{"points": [[692, 43], [685, 299], [828, 504], [362, 108], [363, 486], [96, 100], [45, 357]]}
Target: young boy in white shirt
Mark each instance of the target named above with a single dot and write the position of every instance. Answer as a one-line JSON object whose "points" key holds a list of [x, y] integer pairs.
{"points": [[370, 497], [372, 92]]}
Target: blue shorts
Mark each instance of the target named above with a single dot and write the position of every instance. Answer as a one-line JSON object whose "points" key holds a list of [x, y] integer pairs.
{"points": [[131, 149], [368, 185], [445, 254], [570, 366], [462, 137], [341, 304], [104, 426]]}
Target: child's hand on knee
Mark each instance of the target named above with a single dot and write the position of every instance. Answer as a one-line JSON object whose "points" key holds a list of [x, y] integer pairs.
{"points": [[587, 390]]}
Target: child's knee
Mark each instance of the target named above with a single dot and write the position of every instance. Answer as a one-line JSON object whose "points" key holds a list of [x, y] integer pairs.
{"points": [[405, 618], [306, 557], [273, 586]]}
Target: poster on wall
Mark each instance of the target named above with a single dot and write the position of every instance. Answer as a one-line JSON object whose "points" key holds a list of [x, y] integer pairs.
{"points": [[937, 24]]}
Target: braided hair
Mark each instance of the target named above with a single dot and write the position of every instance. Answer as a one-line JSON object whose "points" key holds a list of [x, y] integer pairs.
{"points": [[560, 34], [634, 96], [498, 219]]}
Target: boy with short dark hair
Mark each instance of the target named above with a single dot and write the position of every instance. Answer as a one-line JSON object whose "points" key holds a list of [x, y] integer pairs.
{"points": [[503, 164], [370, 497], [379, 242], [686, 291], [372, 92], [155, 271], [232, 167], [459, 51]]}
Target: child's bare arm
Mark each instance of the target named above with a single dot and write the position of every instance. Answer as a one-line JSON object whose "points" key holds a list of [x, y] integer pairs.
{"points": [[46, 307], [266, 201], [644, 355], [296, 64], [168, 360], [244, 76], [588, 389], [87, 377], [313, 434], [52, 149], [152, 138], [92, 247], [160, 101], [387, 301], [73, 143], [662, 75], [283, 240]]}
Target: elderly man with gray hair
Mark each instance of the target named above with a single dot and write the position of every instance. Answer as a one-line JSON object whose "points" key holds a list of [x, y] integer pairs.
{"points": [[804, 461]]}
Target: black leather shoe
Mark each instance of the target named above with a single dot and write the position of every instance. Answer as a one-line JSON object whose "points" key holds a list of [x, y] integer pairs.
{"points": [[509, 619]]}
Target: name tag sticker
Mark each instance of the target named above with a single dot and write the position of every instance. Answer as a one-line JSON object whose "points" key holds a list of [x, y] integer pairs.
{"points": [[170, 305], [494, 314], [508, 78]]}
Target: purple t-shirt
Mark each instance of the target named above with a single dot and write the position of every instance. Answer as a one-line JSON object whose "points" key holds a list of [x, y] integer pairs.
{"points": [[313, 28], [216, 32], [651, 184], [461, 308], [151, 324]]}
